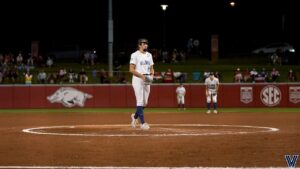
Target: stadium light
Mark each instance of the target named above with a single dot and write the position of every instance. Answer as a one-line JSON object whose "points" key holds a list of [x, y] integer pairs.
{"points": [[164, 8]]}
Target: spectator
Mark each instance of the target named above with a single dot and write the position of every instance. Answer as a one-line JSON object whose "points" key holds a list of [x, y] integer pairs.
{"points": [[246, 75], [52, 78], [165, 56], [238, 76], [42, 76], [275, 58], [122, 78], [169, 76], [83, 78], [182, 55], [86, 57], [263, 76], [28, 78], [19, 59], [62, 75], [253, 74], [13, 74], [49, 62], [174, 56], [275, 75], [157, 76], [30, 61], [71, 76], [93, 56], [292, 76], [104, 76]]}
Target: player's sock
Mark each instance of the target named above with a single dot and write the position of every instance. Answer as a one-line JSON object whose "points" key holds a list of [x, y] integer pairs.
{"points": [[141, 114], [208, 106], [215, 106], [136, 115]]}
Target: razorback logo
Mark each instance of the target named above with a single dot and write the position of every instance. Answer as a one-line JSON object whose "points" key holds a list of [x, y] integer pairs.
{"points": [[69, 97]]}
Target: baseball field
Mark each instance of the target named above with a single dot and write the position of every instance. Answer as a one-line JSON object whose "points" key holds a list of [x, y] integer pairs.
{"points": [[103, 138]]}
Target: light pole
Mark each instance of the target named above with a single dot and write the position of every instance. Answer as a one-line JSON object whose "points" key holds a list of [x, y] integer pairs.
{"points": [[164, 8]]}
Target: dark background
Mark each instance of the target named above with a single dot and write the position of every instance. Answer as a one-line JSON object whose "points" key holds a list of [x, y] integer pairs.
{"points": [[63, 24]]}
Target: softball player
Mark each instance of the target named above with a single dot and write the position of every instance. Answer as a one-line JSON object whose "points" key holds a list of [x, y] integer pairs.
{"points": [[180, 91], [141, 67], [211, 90]]}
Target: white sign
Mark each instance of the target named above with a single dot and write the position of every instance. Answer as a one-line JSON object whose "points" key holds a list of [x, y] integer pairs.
{"points": [[69, 97], [246, 94], [270, 95], [294, 94]]}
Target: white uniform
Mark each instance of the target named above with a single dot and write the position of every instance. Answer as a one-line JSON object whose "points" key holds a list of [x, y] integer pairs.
{"points": [[212, 86], [180, 90], [143, 63]]}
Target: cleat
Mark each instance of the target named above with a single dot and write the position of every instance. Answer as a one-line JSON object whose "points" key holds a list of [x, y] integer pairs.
{"points": [[215, 111], [145, 126], [134, 122], [208, 112]]}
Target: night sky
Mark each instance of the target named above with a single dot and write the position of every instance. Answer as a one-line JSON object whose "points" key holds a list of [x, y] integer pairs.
{"points": [[251, 23]]}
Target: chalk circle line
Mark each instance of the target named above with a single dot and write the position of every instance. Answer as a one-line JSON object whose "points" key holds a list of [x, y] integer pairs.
{"points": [[158, 130]]}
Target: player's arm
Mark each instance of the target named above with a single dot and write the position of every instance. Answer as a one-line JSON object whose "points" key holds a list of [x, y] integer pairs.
{"points": [[217, 86], [152, 70], [206, 90], [135, 73]]}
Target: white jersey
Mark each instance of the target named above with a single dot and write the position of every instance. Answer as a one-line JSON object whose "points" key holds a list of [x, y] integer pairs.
{"points": [[212, 84], [142, 62], [180, 91]]}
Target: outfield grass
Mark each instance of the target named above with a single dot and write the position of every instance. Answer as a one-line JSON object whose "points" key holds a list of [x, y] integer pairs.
{"points": [[151, 110]]}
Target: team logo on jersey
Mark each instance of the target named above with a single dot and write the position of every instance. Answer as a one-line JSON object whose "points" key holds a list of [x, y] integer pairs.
{"points": [[69, 97], [246, 94], [294, 94], [270, 95], [144, 62]]}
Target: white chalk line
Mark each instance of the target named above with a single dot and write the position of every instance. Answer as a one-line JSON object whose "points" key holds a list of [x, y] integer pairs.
{"points": [[38, 130]]}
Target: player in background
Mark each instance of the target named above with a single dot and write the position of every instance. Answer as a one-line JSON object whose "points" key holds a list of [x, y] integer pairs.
{"points": [[211, 90], [141, 67], [180, 91]]}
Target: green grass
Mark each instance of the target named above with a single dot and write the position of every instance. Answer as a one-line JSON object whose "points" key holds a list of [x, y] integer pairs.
{"points": [[151, 110]]}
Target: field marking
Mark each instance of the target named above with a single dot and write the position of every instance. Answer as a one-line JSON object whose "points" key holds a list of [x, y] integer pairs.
{"points": [[94, 167], [38, 130]]}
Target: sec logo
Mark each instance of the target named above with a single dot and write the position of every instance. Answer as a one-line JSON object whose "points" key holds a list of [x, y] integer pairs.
{"points": [[270, 95]]}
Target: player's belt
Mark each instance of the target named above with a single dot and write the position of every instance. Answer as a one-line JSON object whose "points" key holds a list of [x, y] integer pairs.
{"points": [[147, 74]]}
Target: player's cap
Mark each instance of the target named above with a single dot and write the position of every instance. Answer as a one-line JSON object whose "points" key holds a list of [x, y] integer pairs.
{"points": [[211, 73], [143, 40]]}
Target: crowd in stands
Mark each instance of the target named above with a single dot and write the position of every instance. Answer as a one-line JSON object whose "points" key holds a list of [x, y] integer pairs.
{"points": [[26, 69], [255, 76]]}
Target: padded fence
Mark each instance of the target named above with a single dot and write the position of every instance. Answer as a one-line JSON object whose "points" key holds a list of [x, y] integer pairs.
{"points": [[162, 95]]}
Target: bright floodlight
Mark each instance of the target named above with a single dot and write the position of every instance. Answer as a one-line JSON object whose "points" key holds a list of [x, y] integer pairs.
{"points": [[164, 7], [232, 4]]}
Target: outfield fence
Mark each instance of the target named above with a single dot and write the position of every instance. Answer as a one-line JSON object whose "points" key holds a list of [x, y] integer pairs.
{"points": [[162, 95]]}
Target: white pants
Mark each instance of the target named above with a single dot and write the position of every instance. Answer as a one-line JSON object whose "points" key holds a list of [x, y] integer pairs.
{"points": [[180, 99], [141, 91], [213, 95]]}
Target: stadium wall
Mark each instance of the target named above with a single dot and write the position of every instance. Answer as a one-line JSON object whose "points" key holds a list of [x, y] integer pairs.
{"points": [[162, 95]]}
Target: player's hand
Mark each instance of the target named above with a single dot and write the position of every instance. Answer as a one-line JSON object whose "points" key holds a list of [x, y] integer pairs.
{"points": [[143, 77]]}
